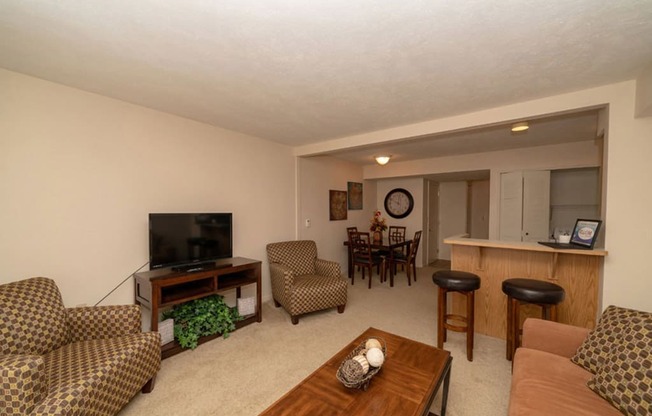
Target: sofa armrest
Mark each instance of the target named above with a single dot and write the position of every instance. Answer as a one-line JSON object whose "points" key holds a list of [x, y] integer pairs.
{"points": [[25, 381], [102, 322], [327, 268], [553, 337]]}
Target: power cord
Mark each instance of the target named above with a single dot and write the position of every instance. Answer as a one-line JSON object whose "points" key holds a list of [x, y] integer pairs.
{"points": [[121, 283]]}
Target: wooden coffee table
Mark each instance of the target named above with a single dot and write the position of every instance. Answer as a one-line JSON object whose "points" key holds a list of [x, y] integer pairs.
{"points": [[406, 385]]}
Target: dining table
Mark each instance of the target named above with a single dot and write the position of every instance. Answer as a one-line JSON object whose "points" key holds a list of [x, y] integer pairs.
{"points": [[385, 246]]}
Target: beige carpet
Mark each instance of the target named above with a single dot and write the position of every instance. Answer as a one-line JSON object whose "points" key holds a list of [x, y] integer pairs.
{"points": [[247, 372]]}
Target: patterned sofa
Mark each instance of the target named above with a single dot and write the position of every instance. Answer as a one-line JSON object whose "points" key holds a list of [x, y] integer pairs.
{"points": [[567, 370], [75, 361], [301, 282]]}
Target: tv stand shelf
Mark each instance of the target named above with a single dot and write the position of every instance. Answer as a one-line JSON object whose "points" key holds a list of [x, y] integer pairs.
{"points": [[161, 288]]}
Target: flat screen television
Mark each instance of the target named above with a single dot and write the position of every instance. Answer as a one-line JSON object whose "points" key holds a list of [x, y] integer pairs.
{"points": [[189, 240]]}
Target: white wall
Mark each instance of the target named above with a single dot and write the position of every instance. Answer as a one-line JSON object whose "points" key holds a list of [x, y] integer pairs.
{"points": [[80, 172]]}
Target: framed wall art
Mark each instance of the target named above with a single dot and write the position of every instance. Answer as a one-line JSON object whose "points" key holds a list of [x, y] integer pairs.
{"points": [[337, 205], [355, 195]]}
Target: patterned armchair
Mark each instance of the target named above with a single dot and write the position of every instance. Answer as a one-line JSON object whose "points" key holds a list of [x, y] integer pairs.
{"points": [[75, 361], [301, 282]]}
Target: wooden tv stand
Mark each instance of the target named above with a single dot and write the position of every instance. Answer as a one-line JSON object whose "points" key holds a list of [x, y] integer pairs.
{"points": [[161, 288]]}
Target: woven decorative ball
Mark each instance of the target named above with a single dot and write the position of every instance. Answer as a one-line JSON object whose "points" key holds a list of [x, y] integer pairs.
{"points": [[352, 371]]}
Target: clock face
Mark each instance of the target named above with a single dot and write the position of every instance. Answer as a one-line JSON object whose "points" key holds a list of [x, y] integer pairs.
{"points": [[399, 203]]}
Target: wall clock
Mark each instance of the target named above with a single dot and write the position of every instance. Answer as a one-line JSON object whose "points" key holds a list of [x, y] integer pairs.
{"points": [[399, 203]]}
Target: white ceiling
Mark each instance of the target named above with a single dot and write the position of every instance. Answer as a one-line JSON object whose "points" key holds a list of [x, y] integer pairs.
{"points": [[300, 72]]}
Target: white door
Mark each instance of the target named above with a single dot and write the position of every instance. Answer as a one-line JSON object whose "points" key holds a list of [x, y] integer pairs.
{"points": [[536, 205], [524, 205], [433, 221], [511, 206]]}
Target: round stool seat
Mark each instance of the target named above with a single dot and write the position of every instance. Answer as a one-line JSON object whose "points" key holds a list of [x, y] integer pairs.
{"points": [[534, 291], [456, 280]]}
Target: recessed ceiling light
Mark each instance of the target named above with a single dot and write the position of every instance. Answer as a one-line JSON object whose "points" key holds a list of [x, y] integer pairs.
{"points": [[382, 160], [522, 126]]}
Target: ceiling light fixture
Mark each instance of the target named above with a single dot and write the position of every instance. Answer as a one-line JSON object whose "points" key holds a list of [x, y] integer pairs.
{"points": [[522, 126], [382, 160]]}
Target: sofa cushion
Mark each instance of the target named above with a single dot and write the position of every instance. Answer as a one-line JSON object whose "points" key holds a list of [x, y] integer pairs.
{"points": [[34, 317], [99, 376], [597, 346], [625, 379], [548, 384]]}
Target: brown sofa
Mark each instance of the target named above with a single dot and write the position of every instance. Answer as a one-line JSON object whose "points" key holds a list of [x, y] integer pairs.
{"points": [[566, 370], [86, 361]]}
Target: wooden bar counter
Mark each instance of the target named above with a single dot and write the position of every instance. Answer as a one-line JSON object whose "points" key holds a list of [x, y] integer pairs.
{"points": [[577, 271]]}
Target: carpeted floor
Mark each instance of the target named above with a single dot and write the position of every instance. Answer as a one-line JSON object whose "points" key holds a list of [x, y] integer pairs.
{"points": [[247, 372]]}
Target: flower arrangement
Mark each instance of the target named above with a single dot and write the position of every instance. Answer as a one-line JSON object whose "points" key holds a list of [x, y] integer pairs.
{"points": [[377, 222]]}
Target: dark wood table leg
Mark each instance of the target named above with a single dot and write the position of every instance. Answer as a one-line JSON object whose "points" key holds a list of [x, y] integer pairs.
{"points": [[446, 379]]}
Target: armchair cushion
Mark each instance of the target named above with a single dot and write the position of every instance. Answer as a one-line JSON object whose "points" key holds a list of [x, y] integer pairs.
{"points": [[24, 383], [101, 322], [34, 315], [327, 268], [299, 256], [99, 374]]}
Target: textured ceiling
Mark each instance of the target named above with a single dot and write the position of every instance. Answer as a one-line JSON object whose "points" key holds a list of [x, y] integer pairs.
{"points": [[299, 72]]}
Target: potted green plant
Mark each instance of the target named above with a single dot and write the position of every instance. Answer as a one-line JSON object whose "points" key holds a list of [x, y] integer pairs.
{"points": [[202, 317]]}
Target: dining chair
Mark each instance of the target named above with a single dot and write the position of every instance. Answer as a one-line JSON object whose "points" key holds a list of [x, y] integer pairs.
{"points": [[350, 230], [408, 261], [363, 257], [396, 234]]}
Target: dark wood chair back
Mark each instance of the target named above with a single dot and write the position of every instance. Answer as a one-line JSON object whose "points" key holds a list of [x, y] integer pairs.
{"points": [[414, 247], [396, 234], [360, 247], [362, 255]]}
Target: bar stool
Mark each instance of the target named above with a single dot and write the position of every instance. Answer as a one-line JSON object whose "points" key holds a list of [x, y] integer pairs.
{"points": [[466, 284], [523, 291]]}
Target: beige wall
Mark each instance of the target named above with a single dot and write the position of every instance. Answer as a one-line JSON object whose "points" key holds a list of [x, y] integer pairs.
{"points": [[316, 176], [80, 172], [453, 205], [413, 222]]}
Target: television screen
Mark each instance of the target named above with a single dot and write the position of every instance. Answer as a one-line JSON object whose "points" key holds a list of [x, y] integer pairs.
{"points": [[184, 239]]}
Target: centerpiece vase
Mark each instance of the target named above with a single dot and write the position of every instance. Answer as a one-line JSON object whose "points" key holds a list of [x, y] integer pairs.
{"points": [[378, 237]]}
